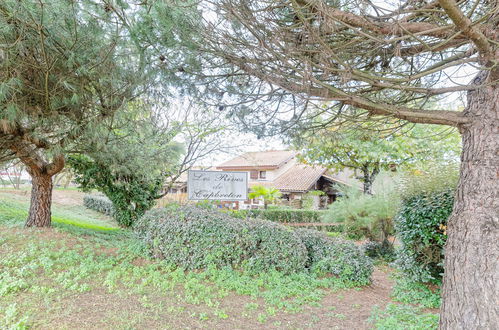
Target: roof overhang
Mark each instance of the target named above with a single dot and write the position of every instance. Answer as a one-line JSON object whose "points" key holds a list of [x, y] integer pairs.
{"points": [[247, 168]]}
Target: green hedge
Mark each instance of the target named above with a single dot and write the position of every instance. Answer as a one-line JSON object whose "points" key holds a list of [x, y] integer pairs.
{"points": [[280, 215], [420, 226], [328, 255], [99, 203], [195, 238]]}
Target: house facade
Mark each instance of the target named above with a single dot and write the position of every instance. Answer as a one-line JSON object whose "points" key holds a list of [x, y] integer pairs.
{"points": [[280, 169]]}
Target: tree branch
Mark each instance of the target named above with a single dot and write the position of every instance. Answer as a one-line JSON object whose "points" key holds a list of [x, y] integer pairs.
{"points": [[466, 26], [56, 166]]}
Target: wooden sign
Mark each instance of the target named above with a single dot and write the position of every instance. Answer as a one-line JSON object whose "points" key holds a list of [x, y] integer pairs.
{"points": [[217, 185]]}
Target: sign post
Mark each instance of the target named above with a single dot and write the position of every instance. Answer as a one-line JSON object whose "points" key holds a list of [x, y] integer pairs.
{"points": [[217, 185]]}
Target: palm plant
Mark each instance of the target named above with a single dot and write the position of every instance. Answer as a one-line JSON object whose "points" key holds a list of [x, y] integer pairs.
{"points": [[269, 194]]}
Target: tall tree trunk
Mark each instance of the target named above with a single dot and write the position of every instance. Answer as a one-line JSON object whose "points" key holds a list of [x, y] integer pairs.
{"points": [[41, 200], [471, 280], [368, 177], [41, 172]]}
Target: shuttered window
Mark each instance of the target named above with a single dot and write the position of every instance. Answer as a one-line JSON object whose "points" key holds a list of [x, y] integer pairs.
{"points": [[254, 175]]}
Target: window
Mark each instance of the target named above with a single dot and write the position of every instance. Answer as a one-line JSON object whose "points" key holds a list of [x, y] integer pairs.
{"points": [[254, 175], [263, 174]]}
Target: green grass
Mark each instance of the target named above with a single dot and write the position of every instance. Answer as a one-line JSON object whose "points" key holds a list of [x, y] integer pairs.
{"points": [[14, 210]]}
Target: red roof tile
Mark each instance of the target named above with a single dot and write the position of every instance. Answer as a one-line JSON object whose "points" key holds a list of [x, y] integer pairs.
{"points": [[299, 178], [261, 159]]}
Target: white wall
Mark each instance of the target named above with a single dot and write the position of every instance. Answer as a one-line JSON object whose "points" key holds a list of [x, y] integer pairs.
{"points": [[274, 174]]}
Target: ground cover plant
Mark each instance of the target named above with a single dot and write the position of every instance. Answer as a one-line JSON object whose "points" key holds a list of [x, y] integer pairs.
{"points": [[416, 306], [403, 317], [87, 272]]}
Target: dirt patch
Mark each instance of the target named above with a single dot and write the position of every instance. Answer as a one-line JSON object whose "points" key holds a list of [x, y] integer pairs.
{"points": [[100, 309], [345, 309], [68, 197]]}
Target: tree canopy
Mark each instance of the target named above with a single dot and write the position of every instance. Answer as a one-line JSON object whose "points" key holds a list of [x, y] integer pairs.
{"points": [[65, 66], [130, 160], [388, 59], [367, 149]]}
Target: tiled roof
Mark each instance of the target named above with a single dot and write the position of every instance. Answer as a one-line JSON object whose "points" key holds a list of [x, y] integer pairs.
{"points": [[299, 178], [261, 159]]}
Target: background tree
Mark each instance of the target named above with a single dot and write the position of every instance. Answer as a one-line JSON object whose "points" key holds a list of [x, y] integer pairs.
{"points": [[204, 134], [368, 149], [13, 171], [131, 160], [268, 194], [389, 59]]}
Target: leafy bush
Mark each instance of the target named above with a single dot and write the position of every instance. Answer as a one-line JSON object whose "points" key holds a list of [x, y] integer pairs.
{"points": [[131, 193], [98, 203], [379, 250], [280, 215], [420, 226], [364, 216], [328, 255], [427, 201], [196, 238]]}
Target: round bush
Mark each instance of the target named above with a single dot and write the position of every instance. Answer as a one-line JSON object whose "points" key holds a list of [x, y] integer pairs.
{"points": [[328, 255], [99, 203], [420, 226], [195, 238], [379, 250]]}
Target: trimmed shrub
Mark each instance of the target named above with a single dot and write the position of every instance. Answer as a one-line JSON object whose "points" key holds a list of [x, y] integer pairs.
{"points": [[132, 192], [420, 226], [281, 215], [99, 203], [328, 255], [195, 238]]}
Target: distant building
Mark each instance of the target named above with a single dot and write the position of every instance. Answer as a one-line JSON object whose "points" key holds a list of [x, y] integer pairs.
{"points": [[280, 169]]}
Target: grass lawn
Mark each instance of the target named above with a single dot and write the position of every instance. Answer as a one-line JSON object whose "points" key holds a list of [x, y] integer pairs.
{"points": [[85, 272]]}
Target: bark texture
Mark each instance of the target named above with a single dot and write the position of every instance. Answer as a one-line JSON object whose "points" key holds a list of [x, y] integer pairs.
{"points": [[471, 279], [41, 200], [41, 173], [368, 178]]}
